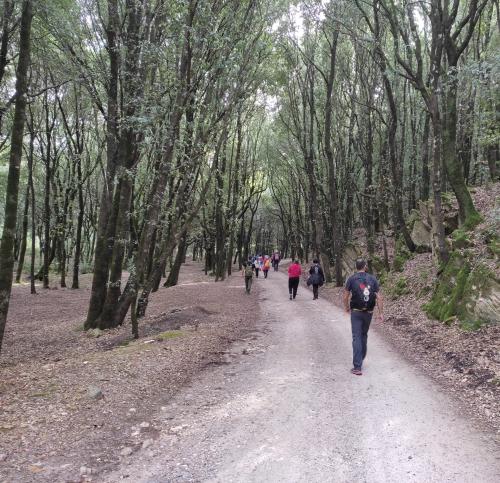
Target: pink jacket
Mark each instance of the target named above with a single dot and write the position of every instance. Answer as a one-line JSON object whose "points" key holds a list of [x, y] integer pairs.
{"points": [[294, 270]]}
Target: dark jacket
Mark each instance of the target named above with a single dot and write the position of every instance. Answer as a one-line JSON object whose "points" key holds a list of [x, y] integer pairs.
{"points": [[316, 275]]}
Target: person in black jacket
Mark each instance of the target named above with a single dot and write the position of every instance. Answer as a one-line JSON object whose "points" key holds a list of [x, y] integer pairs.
{"points": [[316, 277], [361, 296]]}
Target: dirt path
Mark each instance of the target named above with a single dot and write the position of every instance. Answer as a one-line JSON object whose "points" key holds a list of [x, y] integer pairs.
{"points": [[286, 408]]}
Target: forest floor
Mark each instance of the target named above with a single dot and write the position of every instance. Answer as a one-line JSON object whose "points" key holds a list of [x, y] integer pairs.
{"points": [[73, 405]]}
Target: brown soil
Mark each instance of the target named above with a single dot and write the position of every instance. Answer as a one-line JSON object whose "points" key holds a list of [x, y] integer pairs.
{"points": [[51, 428]]}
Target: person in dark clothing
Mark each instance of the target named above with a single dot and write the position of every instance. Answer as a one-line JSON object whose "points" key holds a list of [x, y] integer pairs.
{"points": [[361, 295], [316, 278], [294, 273], [276, 261], [247, 272]]}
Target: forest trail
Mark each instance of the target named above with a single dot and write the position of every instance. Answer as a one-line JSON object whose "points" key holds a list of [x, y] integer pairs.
{"points": [[284, 407]]}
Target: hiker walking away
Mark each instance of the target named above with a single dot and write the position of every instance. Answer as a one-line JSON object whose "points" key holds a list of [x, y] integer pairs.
{"points": [[276, 261], [247, 272], [294, 273], [256, 265], [316, 278], [361, 295], [267, 266]]}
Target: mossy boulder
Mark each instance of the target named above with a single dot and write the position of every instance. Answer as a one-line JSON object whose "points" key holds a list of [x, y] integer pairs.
{"points": [[468, 292], [421, 236], [449, 289], [480, 303], [350, 254]]}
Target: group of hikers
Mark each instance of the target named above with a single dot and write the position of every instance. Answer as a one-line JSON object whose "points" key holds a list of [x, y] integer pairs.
{"points": [[361, 295], [257, 264]]}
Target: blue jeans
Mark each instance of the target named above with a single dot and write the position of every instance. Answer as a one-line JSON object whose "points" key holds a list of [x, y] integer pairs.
{"points": [[360, 323]]}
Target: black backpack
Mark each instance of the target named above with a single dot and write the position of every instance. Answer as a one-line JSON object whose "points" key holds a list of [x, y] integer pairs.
{"points": [[363, 294]]}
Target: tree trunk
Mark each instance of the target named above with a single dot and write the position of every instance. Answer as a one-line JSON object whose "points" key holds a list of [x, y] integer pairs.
{"points": [[173, 276], [105, 229], [24, 235], [16, 151], [468, 215]]}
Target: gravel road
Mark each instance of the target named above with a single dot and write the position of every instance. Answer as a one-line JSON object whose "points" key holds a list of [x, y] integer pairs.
{"points": [[283, 407]]}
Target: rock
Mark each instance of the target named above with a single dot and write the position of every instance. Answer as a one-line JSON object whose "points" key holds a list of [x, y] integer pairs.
{"points": [[349, 256], [127, 451], [178, 429], [421, 236], [487, 307], [144, 425], [95, 333], [147, 443], [3, 457], [94, 392], [84, 470]]}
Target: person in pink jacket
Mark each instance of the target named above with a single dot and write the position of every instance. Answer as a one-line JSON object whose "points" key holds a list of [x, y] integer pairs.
{"points": [[294, 273]]}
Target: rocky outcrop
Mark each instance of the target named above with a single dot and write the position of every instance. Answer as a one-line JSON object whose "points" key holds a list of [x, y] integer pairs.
{"points": [[422, 225], [467, 291], [350, 254]]}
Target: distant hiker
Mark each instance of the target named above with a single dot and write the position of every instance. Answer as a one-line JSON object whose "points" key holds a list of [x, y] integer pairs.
{"points": [[267, 266], [363, 291], [256, 265], [294, 273], [316, 278], [247, 272], [276, 260]]}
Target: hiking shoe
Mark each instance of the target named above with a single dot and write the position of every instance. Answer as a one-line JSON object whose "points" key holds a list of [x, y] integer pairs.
{"points": [[290, 297], [356, 372]]}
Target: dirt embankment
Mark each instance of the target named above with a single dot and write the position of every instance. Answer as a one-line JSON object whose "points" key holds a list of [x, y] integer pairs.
{"points": [[72, 404]]}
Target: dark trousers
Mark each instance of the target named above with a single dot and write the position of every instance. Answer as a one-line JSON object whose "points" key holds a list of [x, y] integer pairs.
{"points": [[293, 285], [275, 265], [360, 323], [265, 273], [248, 284], [315, 291], [256, 272]]}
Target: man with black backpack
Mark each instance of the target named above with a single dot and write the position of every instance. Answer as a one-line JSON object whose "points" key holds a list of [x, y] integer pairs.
{"points": [[363, 291]]}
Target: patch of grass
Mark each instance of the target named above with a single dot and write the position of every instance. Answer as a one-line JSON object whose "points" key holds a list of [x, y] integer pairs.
{"points": [[425, 290], [468, 326], [472, 221], [49, 391], [169, 334], [400, 288], [447, 198], [401, 255], [461, 238]]}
